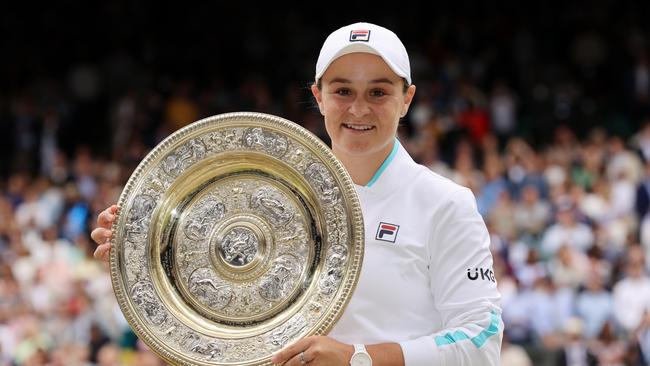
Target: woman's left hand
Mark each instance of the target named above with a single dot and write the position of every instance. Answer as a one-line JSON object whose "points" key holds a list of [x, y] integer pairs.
{"points": [[315, 350]]}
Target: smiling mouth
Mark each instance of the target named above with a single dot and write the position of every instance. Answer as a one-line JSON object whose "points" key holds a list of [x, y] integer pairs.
{"points": [[358, 127]]}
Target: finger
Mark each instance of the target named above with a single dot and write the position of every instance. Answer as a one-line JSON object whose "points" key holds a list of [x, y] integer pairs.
{"points": [[106, 217], [297, 361], [102, 252], [291, 350], [101, 235]]}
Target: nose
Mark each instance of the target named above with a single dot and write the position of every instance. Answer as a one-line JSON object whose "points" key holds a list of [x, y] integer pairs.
{"points": [[359, 107]]}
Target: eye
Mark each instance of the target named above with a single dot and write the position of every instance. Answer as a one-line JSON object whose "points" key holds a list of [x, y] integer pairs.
{"points": [[377, 93], [343, 91]]}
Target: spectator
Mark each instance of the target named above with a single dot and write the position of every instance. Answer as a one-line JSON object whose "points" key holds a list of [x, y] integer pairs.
{"points": [[503, 111], [608, 349], [567, 230], [501, 217], [632, 293], [568, 267], [575, 351], [493, 186], [531, 214], [594, 305]]}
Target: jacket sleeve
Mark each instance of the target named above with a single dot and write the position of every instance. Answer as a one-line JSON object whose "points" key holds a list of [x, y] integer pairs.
{"points": [[464, 290]]}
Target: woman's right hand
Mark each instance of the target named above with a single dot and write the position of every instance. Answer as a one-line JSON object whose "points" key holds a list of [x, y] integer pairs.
{"points": [[102, 233]]}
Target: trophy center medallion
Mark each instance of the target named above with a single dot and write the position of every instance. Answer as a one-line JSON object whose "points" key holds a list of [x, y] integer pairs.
{"points": [[239, 246]]}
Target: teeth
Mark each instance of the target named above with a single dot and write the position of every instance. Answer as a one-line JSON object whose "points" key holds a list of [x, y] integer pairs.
{"points": [[358, 128]]}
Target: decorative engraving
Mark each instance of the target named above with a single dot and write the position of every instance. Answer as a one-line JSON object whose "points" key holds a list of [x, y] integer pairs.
{"points": [[325, 184], [273, 205], [170, 330], [281, 278], [239, 198], [143, 206], [204, 286], [143, 296], [334, 269], [136, 232], [236, 247], [211, 350], [315, 307], [160, 180], [189, 340], [203, 217], [239, 246], [297, 157], [286, 333], [189, 153], [133, 255], [222, 140], [259, 139], [336, 224]]}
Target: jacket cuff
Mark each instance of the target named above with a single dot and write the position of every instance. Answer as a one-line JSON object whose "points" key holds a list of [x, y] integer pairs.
{"points": [[420, 352]]}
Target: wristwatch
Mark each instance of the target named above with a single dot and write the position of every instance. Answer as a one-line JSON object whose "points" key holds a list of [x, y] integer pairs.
{"points": [[360, 357]]}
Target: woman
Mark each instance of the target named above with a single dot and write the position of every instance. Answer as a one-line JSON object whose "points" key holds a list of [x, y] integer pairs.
{"points": [[427, 293]]}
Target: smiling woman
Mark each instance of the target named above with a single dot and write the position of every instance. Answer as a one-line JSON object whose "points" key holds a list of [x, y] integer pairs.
{"points": [[362, 100], [414, 303]]}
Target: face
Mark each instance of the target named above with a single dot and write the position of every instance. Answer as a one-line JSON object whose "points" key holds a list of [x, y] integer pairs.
{"points": [[362, 100]]}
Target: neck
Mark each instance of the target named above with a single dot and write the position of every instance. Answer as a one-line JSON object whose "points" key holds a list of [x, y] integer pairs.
{"points": [[363, 167]]}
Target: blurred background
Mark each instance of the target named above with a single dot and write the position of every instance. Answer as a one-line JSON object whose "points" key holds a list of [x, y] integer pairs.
{"points": [[541, 108]]}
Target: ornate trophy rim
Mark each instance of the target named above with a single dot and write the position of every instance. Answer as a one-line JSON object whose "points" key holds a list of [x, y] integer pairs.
{"points": [[327, 318]]}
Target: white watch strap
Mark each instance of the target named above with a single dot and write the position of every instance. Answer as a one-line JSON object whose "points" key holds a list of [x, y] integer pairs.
{"points": [[357, 360]]}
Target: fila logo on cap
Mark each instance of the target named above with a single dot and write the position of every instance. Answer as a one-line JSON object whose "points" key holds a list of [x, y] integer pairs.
{"points": [[362, 35], [387, 232]]}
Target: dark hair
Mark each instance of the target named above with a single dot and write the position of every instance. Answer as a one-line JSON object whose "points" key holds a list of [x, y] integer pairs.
{"points": [[319, 85]]}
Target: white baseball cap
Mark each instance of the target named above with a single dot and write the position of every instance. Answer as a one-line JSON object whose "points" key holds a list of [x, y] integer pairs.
{"points": [[368, 38]]}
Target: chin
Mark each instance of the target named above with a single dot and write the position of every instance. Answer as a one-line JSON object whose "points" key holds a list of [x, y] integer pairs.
{"points": [[359, 149]]}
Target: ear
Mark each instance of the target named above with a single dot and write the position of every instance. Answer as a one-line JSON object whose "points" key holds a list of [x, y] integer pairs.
{"points": [[318, 96], [408, 98]]}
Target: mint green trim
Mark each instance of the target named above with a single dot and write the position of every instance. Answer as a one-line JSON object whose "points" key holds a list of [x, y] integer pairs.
{"points": [[385, 164], [451, 338], [478, 341]]}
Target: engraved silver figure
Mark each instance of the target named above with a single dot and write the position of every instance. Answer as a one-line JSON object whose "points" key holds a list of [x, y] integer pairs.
{"points": [[334, 265], [206, 214], [285, 334], [143, 296], [192, 342], [189, 340], [271, 203], [280, 279], [317, 173], [203, 285], [212, 350], [176, 162], [239, 246], [259, 139], [222, 140], [136, 232], [143, 206]]}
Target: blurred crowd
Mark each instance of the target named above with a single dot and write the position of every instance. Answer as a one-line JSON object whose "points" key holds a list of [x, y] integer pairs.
{"points": [[546, 120]]}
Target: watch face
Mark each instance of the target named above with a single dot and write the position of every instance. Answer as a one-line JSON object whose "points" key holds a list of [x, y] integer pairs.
{"points": [[361, 359]]}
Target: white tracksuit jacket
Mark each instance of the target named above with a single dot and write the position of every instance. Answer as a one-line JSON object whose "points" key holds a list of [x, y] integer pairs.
{"points": [[427, 280]]}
